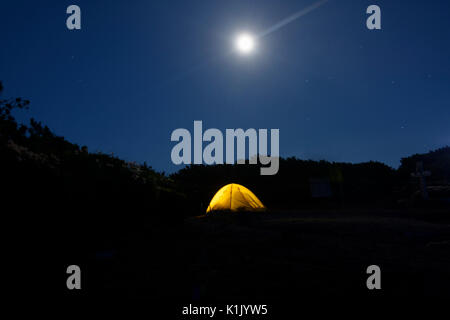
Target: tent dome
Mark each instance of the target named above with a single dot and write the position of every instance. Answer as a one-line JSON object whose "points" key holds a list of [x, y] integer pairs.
{"points": [[234, 197]]}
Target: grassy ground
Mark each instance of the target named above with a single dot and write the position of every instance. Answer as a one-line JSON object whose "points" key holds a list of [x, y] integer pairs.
{"points": [[277, 255], [267, 257]]}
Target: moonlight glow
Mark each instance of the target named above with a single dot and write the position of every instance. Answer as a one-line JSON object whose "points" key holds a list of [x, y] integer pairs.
{"points": [[245, 43]]}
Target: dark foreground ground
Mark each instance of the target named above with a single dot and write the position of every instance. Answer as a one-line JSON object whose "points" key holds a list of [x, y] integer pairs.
{"points": [[276, 256]]}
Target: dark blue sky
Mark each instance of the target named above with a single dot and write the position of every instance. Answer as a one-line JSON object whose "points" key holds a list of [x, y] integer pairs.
{"points": [[137, 70]]}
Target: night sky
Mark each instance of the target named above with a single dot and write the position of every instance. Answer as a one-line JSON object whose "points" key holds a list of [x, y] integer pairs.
{"points": [[137, 70]]}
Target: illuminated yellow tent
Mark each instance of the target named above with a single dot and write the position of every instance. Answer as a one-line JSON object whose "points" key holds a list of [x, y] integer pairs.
{"points": [[234, 197]]}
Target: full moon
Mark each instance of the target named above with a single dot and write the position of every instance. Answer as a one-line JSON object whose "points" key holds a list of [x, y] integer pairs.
{"points": [[245, 43]]}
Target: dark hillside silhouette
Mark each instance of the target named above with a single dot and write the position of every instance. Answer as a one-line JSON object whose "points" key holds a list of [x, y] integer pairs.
{"points": [[371, 182], [64, 203], [437, 162]]}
